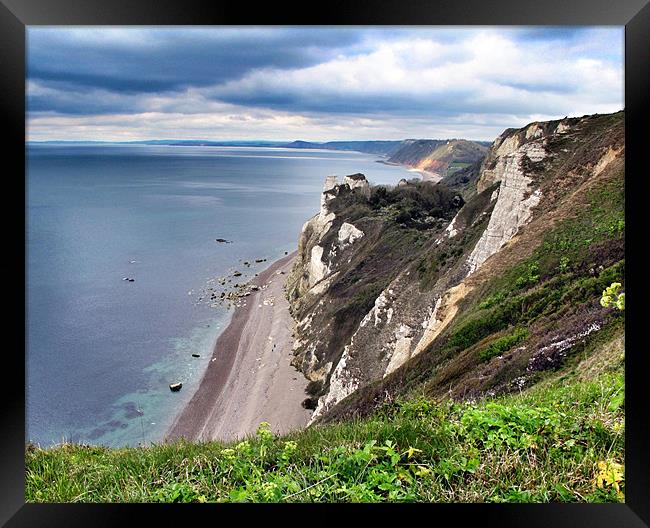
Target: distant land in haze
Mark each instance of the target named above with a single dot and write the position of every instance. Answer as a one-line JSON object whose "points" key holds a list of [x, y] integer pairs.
{"points": [[372, 147], [433, 158]]}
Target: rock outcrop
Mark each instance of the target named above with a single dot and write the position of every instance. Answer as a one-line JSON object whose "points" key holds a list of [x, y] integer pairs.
{"points": [[373, 344], [506, 152], [516, 197]]}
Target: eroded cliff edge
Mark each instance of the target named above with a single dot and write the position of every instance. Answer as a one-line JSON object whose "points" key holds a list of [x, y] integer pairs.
{"points": [[395, 287]]}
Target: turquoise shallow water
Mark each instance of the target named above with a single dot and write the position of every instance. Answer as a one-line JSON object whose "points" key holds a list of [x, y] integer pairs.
{"points": [[101, 351]]}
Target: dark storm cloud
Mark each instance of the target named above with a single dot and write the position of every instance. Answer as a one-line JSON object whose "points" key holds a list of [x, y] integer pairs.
{"points": [[156, 60], [78, 100], [407, 106], [356, 104]]}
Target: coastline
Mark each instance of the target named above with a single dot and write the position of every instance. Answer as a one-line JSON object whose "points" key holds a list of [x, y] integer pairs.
{"points": [[249, 378], [427, 176]]}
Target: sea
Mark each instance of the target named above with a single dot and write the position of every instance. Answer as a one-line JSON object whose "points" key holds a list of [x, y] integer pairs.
{"points": [[102, 350]]}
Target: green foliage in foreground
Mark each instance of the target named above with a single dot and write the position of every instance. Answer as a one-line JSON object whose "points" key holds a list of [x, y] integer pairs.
{"points": [[558, 442]]}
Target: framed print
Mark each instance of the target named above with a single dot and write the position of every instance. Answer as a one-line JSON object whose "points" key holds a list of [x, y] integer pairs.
{"points": [[376, 255]]}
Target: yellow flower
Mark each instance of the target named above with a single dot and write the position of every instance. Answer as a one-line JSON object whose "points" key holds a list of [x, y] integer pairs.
{"points": [[228, 454], [610, 475], [411, 451]]}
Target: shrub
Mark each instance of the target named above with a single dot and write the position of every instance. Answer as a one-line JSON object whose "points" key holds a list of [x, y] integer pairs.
{"points": [[530, 276], [504, 344], [492, 300], [611, 297], [564, 264]]}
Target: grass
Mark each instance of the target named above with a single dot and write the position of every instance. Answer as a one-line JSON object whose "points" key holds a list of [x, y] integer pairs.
{"points": [[557, 441], [512, 307], [503, 344], [455, 166]]}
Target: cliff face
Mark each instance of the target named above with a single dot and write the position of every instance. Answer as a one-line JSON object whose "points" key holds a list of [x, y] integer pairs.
{"points": [[388, 283], [351, 256]]}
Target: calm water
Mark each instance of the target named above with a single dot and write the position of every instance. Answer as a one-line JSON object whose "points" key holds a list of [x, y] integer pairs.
{"points": [[101, 351]]}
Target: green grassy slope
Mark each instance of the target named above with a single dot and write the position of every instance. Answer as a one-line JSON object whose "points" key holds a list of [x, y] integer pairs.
{"points": [[562, 440]]}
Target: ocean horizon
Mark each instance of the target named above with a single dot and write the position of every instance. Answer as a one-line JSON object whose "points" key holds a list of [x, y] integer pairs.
{"points": [[101, 350]]}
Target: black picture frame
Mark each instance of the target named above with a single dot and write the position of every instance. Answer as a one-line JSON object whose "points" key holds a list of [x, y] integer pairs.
{"points": [[15, 15]]}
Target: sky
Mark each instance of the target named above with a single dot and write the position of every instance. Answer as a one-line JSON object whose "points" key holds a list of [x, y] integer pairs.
{"points": [[314, 83]]}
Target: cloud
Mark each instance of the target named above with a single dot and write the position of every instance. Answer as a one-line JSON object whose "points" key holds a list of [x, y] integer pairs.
{"points": [[487, 73], [153, 60], [370, 83]]}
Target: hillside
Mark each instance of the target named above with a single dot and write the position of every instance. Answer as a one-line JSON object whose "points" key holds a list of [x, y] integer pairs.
{"points": [[440, 157], [419, 284], [453, 337]]}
